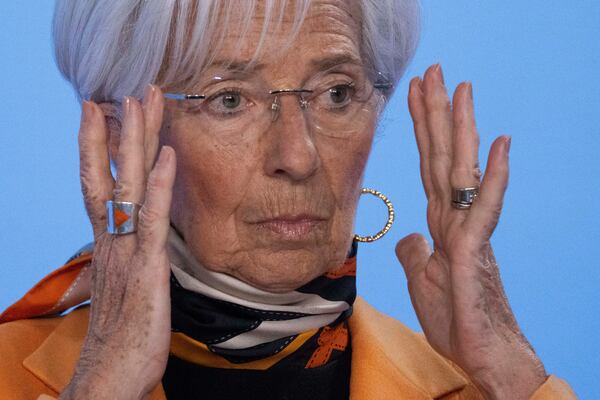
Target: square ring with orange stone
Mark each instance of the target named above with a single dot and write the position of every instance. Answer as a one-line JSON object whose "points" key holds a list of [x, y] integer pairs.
{"points": [[122, 217]]}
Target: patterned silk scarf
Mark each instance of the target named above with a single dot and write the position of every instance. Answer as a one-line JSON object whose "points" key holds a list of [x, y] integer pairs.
{"points": [[219, 321]]}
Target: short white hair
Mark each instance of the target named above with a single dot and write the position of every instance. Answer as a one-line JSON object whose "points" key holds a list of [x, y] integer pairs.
{"points": [[108, 49]]}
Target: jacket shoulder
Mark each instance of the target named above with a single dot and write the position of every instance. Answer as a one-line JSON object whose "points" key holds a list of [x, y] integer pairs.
{"points": [[18, 339], [395, 359], [426, 371], [37, 353]]}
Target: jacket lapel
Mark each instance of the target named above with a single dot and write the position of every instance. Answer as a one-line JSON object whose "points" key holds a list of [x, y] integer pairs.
{"points": [[55, 360], [389, 361]]}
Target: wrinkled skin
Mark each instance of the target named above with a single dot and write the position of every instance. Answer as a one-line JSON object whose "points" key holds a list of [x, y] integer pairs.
{"points": [[456, 289], [223, 188], [213, 192]]}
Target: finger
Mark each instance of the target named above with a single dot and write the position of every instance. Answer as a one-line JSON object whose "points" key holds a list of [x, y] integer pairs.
{"points": [[131, 177], [153, 227], [94, 165], [413, 251], [439, 124], [417, 110], [465, 171], [485, 211], [152, 106], [465, 161]]}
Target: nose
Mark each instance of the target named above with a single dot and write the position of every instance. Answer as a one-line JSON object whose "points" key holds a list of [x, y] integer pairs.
{"points": [[292, 152]]}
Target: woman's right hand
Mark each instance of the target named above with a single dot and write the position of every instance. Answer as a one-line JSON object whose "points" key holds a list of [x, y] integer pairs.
{"points": [[125, 352]]}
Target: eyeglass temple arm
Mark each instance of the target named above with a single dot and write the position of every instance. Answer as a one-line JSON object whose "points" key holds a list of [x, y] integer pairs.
{"points": [[382, 82], [183, 96], [383, 85]]}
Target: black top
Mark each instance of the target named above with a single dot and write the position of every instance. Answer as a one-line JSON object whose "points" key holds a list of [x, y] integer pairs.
{"points": [[283, 381]]}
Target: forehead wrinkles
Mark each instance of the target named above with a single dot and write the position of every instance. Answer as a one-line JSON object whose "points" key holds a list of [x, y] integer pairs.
{"points": [[248, 39], [336, 26], [341, 17], [330, 24]]}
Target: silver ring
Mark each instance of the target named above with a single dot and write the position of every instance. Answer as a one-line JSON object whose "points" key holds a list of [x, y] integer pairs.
{"points": [[462, 198], [122, 217]]}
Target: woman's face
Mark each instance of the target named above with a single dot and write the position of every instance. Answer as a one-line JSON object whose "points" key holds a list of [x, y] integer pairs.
{"points": [[273, 207]]}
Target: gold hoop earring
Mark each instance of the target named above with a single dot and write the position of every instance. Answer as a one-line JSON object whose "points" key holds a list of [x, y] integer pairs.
{"points": [[388, 224]]}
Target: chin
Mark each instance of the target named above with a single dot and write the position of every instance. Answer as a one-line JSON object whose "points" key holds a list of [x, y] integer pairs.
{"points": [[272, 265], [285, 270]]}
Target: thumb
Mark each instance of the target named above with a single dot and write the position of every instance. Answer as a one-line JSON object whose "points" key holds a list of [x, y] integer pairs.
{"points": [[413, 251]]}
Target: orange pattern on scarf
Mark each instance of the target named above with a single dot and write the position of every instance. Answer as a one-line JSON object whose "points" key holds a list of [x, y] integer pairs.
{"points": [[330, 339]]}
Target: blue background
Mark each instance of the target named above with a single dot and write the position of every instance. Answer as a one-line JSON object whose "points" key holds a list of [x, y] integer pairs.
{"points": [[535, 68]]}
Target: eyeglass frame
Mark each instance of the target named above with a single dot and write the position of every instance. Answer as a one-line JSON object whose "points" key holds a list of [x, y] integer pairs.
{"points": [[381, 83]]}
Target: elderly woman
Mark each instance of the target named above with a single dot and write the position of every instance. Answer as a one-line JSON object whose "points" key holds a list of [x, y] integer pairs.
{"points": [[224, 257]]}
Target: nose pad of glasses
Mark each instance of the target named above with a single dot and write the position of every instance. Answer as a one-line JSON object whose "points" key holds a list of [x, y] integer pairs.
{"points": [[303, 102], [275, 106]]}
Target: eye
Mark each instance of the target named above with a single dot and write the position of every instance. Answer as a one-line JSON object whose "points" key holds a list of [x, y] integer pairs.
{"points": [[231, 100], [228, 102], [339, 94], [336, 97]]}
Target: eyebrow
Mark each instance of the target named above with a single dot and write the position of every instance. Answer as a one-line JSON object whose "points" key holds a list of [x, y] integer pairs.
{"points": [[236, 65], [334, 60], [319, 64]]}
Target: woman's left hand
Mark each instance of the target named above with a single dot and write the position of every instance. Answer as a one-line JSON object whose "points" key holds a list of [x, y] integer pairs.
{"points": [[456, 289]]}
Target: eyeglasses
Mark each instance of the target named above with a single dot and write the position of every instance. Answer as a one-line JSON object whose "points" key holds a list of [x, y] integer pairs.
{"points": [[338, 102]]}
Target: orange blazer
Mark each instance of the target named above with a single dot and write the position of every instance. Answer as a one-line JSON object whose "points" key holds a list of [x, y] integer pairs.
{"points": [[389, 361]]}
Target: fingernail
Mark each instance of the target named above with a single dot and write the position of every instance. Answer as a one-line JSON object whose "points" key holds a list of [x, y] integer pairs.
{"points": [[148, 94], [416, 84], [86, 111], [439, 73], [507, 142], [470, 87], [164, 155], [126, 105]]}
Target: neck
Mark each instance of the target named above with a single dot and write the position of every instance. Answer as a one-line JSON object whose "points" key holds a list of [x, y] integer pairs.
{"points": [[242, 322]]}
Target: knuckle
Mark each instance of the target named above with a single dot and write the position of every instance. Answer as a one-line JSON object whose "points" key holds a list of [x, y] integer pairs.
{"points": [[493, 211], [99, 223], [148, 218], [124, 189], [465, 175], [438, 102], [86, 174], [94, 202], [440, 151], [83, 135], [148, 214], [466, 122], [461, 120], [92, 195], [88, 189], [156, 182]]}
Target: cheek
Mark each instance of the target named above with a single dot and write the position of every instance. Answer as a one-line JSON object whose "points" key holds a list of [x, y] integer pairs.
{"points": [[344, 163], [211, 181]]}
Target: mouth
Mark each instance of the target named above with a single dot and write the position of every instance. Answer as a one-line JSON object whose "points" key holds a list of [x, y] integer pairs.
{"points": [[291, 227]]}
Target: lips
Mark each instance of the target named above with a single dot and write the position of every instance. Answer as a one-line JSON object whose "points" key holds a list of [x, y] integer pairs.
{"points": [[289, 227]]}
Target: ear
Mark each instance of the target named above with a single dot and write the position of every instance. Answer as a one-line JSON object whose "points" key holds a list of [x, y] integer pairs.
{"points": [[112, 115]]}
